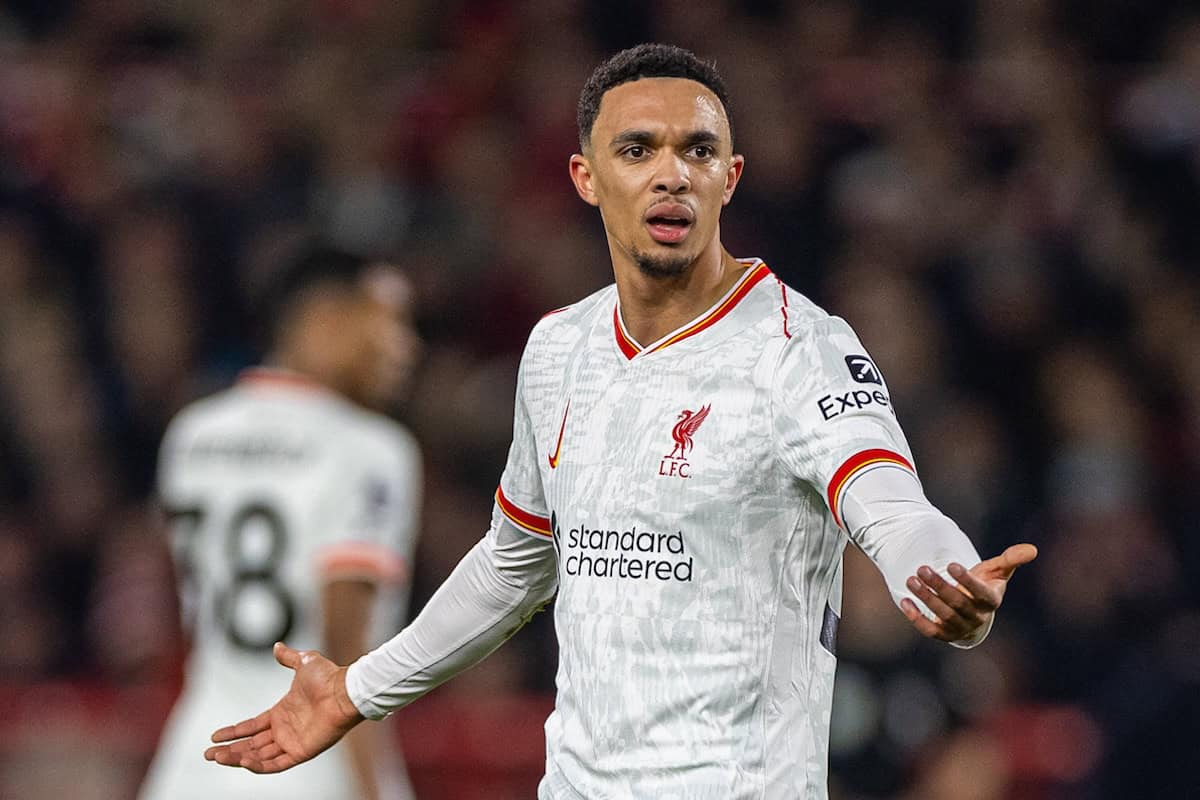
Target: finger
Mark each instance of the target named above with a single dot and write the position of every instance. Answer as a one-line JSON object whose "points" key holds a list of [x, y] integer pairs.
{"points": [[243, 747], [269, 751], [1005, 564], [287, 656], [278, 764], [247, 727], [258, 748], [224, 755], [230, 753], [266, 766], [925, 626], [260, 740], [953, 595], [250, 763], [984, 593], [931, 601], [1019, 554], [950, 594]]}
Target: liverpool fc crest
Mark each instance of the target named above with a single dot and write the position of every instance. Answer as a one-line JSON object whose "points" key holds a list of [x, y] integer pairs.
{"points": [[675, 463]]}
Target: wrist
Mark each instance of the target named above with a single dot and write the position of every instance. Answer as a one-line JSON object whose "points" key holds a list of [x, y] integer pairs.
{"points": [[349, 712], [976, 636]]}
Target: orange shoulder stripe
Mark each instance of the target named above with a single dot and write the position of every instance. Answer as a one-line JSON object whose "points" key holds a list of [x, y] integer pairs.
{"points": [[522, 518], [855, 464]]}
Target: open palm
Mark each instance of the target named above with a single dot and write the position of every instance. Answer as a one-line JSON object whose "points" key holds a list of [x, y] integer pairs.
{"points": [[314, 714], [966, 608]]}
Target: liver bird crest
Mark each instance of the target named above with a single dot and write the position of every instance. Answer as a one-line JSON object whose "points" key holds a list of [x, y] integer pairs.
{"points": [[689, 422]]}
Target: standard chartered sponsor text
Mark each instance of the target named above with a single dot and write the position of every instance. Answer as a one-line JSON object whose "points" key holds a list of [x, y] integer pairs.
{"points": [[630, 554]]}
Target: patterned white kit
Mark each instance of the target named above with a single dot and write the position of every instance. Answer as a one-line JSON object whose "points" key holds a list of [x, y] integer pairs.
{"points": [[690, 488], [688, 501], [276, 487]]}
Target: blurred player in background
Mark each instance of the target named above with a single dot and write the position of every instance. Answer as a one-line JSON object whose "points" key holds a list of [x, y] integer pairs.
{"points": [[295, 508], [692, 448]]}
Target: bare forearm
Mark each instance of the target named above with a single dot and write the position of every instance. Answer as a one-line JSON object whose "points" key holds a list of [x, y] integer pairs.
{"points": [[348, 605], [363, 746]]}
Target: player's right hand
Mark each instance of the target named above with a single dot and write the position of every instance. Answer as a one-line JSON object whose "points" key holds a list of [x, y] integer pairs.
{"points": [[314, 714]]}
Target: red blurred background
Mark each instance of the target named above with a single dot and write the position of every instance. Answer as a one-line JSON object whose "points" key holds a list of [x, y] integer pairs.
{"points": [[1000, 195]]}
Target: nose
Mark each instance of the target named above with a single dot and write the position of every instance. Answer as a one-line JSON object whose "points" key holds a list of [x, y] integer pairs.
{"points": [[672, 174]]}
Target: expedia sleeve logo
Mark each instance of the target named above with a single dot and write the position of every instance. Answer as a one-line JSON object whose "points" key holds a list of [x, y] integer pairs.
{"points": [[863, 370]]}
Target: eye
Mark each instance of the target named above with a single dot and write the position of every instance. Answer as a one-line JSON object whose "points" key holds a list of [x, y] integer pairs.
{"points": [[703, 151], [635, 151]]}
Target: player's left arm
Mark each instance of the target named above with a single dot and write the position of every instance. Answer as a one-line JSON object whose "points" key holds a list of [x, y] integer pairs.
{"points": [[924, 556], [836, 429]]}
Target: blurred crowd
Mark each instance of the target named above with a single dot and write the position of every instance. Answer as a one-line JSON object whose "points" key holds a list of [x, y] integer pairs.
{"points": [[1001, 196]]}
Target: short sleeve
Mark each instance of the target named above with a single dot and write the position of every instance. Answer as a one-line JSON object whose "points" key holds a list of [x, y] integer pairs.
{"points": [[377, 512], [833, 416], [170, 453], [520, 496]]}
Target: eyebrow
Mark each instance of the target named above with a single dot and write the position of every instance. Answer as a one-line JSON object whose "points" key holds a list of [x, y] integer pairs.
{"points": [[631, 137], [701, 137], [691, 139]]}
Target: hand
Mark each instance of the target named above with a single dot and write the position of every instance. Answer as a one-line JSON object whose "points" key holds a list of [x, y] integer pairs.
{"points": [[314, 714], [963, 609]]}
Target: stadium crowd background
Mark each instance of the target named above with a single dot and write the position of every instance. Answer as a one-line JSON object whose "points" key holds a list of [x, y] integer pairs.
{"points": [[1002, 196]]}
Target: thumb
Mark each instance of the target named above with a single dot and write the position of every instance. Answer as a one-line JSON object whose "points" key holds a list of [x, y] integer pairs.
{"points": [[287, 656], [1015, 556]]}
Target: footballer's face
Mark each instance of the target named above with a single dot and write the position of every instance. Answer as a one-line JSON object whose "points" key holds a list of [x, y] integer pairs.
{"points": [[385, 344], [660, 166]]}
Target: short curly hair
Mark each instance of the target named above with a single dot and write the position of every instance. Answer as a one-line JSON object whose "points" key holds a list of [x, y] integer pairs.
{"points": [[645, 61]]}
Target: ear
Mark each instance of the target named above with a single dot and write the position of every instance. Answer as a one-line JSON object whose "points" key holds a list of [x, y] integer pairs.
{"points": [[732, 176], [581, 176]]}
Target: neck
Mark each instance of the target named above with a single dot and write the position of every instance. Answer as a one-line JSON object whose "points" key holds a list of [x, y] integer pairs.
{"points": [[653, 306], [294, 363]]}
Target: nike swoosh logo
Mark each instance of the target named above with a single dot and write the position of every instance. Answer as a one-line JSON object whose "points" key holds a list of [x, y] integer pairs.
{"points": [[558, 446]]}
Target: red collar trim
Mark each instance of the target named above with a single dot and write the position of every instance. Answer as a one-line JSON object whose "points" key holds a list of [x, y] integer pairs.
{"points": [[755, 273], [627, 345]]}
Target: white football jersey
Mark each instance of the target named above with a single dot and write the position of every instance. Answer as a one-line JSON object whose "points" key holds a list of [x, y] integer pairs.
{"points": [[691, 487], [275, 487]]}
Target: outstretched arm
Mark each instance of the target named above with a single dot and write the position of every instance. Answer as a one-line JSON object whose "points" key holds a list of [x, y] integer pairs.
{"points": [[922, 554], [495, 589]]}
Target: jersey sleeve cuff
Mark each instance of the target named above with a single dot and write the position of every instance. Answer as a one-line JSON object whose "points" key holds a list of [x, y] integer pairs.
{"points": [[977, 637], [361, 561], [359, 695]]}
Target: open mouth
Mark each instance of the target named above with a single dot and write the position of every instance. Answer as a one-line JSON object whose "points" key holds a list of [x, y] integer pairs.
{"points": [[668, 227]]}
